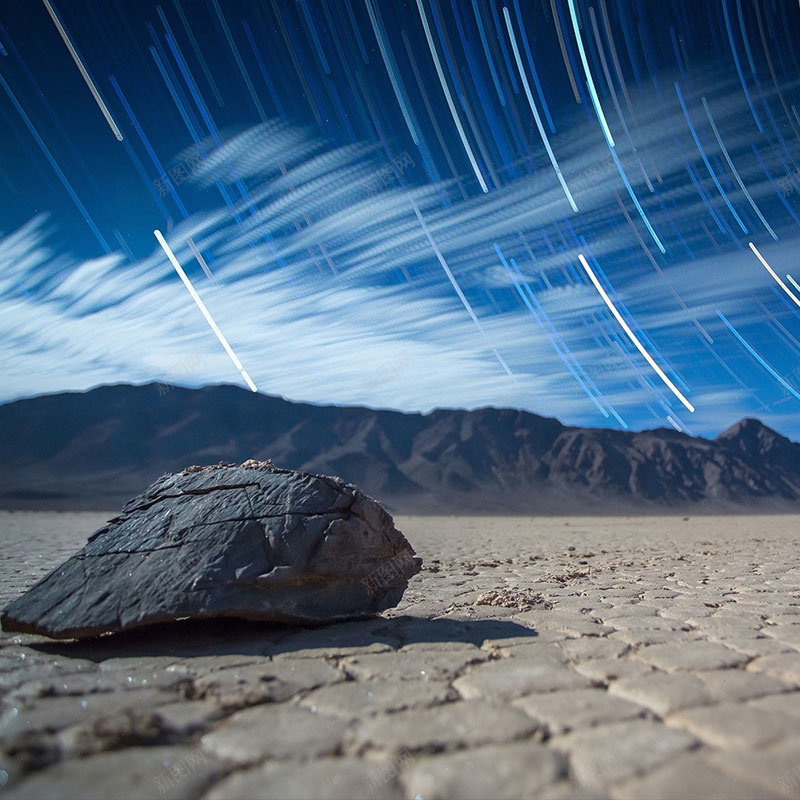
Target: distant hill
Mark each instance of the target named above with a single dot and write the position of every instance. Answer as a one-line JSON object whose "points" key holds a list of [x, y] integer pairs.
{"points": [[96, 449]]}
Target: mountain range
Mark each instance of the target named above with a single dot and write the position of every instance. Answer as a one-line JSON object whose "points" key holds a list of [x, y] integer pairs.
{"points": [[96, 449]]}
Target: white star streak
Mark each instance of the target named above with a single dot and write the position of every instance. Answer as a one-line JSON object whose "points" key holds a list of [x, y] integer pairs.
{"points": [[589, 80], [771, 271], [450, 104], [536, 116], [460, 294], [736, 173], [76, 58], [390, 65], [209, 319], [631, 335], [200, 260]]}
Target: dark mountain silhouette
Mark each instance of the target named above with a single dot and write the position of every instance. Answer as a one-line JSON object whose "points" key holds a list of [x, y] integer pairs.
{"points": [[96, 449]]}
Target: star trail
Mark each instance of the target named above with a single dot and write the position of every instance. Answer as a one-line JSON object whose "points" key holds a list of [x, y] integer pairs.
{"points": [[508, 192]]}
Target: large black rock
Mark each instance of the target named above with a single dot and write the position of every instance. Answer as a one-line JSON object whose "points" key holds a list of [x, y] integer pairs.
{"points": [[249, 541]]}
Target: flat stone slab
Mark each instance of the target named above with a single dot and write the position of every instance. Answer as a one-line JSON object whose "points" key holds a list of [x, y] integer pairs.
{"points": [[577, 708], [608, 754], [692, 776], [131, 774], [663, 692], [608, 670], [238, 687], [726, 685], [784, 666], [323, 779], [776, 768], [51, 714], [355, 699], [274, 731], [694, 655], [514, 677], [509, 772], [735, 724], [415, 665], [447, 727]]}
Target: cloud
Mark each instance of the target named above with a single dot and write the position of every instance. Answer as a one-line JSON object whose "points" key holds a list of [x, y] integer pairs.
{"points": [[320, 285]]}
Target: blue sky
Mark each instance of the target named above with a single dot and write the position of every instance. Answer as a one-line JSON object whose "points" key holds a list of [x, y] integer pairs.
{"points": [[381, 219]]}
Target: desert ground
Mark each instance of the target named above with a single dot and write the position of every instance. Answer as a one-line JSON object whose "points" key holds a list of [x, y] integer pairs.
{"points": [[627, 657]]}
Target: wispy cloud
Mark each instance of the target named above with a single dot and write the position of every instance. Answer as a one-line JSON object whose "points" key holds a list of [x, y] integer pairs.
{"points": [[317, 285]]}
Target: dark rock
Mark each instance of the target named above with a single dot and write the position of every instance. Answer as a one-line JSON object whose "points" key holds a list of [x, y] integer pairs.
{"points": [[249, 541]]}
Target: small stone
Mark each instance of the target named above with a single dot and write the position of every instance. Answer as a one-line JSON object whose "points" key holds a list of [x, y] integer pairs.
{"points": [[518, 599]]}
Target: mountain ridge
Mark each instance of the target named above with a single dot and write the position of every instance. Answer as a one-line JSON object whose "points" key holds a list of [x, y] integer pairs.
{"points": [[95, 449]]}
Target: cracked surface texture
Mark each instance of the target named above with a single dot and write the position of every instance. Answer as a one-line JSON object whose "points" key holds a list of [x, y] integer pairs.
{"points": [[532, 657]]}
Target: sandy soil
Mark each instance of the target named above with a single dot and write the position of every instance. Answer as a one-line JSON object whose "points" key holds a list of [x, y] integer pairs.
{"points": [[533, 657]]}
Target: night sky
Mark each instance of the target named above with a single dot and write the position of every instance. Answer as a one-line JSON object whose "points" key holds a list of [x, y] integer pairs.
{"points": [[589, 209]]}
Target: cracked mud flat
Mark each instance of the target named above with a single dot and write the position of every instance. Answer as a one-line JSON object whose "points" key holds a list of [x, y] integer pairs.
{"points": [[544, 658]]}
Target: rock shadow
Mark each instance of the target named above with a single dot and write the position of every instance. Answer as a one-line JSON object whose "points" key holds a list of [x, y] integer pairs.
{"points": [[193, 638]]}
